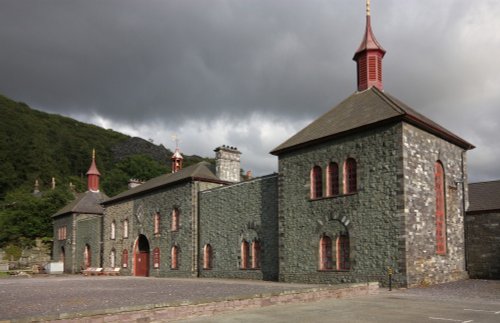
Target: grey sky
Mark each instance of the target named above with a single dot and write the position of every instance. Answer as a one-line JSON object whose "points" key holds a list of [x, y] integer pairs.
{"points": [[250, 73]]}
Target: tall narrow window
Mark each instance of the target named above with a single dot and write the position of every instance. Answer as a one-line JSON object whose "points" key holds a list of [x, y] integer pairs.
{"points": [[175, 256], [156, 223], [125, 228], [112, 258], [256, 254], [125, 258], [112, 234], [244, 255], [207, 257], [343, 252], [333, 179], [87, 257], [350, 172], [175, 219], [440, 209], [156, 257], [325, 253], [316, 182]]}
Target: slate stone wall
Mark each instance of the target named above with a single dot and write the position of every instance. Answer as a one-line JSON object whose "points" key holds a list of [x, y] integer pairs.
{"points": [[372, 217], [247, 210], [140, 214], [88, 231], [421, 150], [58, 222], [483, 245]]}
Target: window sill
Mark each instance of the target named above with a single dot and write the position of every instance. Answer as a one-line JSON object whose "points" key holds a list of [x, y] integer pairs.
{"points": [[334, 270], [331, 197], [250, 269]]}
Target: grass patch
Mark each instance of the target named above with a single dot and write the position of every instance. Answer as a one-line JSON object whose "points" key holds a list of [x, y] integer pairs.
{"points": [[4, 274]]}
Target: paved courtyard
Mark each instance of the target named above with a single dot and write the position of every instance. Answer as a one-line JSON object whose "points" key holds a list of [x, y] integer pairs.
{"points": [[472, 301], [465, 301]]}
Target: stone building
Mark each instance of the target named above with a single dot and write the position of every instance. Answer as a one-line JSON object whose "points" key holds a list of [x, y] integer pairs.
{"points": [[78, 227], [369, 186], [482, 230]]}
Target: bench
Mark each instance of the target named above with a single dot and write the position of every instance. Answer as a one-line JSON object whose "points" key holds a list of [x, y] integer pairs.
{"points": [[92, 271], [112, 271]]}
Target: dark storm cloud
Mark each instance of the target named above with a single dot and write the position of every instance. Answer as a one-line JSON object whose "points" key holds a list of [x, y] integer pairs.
{"points": [[190, 64]]}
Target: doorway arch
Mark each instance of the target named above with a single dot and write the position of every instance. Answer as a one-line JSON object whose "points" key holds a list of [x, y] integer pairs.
{"points": [[141, 256]]}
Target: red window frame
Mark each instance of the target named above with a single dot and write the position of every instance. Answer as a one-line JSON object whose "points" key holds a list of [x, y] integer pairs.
{"points": [[333, 179], [256, 251], [156, 257], [175, 220], [351, 180], [316, 182], [174, 255], [343, 252], [207, 257], [440, 209], [125, 258], [325, 253], [244, 255]]}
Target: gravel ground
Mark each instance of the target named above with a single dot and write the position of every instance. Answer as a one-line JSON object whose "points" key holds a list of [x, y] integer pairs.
{"points": [[27, 297]]}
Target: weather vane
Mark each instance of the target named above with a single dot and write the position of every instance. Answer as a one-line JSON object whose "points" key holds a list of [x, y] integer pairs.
{"points": [[176, 139]]}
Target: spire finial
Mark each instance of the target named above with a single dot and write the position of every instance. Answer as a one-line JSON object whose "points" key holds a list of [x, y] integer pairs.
{"points": [[176, 139], [93, 153], [368, 7]]}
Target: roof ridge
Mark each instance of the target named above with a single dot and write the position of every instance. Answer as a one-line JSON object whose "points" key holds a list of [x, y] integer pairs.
{"points": [[394, 105]]}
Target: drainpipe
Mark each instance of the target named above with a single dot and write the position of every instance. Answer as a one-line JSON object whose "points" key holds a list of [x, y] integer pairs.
{"points": [[463, 208]]}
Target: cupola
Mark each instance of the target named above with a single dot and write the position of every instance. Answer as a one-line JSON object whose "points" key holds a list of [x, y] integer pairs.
{"points": [[93, 175], [369, 57]]}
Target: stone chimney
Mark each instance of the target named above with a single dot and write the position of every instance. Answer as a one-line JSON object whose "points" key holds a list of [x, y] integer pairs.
{"points": [[227, 163]]}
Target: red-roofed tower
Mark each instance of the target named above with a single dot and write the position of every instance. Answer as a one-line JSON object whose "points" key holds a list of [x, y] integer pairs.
{"points": [[176, 161], [369, 57], [93, 175]]}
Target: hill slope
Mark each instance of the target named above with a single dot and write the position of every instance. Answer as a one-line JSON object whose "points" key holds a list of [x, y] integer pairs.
{"points": [[39, 145]]}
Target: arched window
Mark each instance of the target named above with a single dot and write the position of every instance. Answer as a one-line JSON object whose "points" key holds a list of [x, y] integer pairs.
{"points": [[156, 257], [207, 257], [255, 254], [175, 219], [325, 253], [316, 182], [125, 258], [244, 255], [87, 257], [125, 228], [156, 223], [175, 257], [112, 258], [440, 209], [350, 179], [333, 179], [112, 234], [343, 252]]}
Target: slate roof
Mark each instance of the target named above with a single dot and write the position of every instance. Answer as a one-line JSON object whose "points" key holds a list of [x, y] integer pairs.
{"points": [[484, 196], [360, 111], [201, 171], [88, 203]]}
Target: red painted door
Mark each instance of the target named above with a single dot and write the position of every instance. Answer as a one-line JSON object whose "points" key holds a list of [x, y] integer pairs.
{"points": [[142, 264]]}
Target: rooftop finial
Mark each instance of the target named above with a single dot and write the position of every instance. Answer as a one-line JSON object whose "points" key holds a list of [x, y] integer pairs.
{"points": [[93, 153], [367, 7], [176, 139]]}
